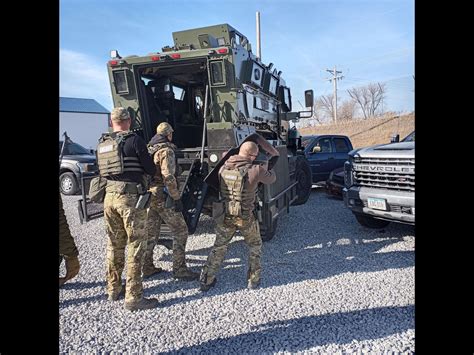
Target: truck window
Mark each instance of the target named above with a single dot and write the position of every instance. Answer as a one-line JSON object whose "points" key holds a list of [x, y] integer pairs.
{"points": [[341, 145], [410, 137], [325, 144]]}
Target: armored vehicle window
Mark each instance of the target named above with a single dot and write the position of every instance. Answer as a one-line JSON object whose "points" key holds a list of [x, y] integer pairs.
{"points": [[120, 80], [285, 96], [217, 73], [257, 75], [261, 104], [178, 93], [341, 145], [273, 85]]}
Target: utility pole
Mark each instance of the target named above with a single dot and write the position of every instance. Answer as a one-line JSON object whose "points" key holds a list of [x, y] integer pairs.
{"points": [[335, 78]]}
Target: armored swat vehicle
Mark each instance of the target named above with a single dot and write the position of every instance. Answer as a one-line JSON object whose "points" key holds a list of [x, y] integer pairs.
{"points": [[215, 93]]}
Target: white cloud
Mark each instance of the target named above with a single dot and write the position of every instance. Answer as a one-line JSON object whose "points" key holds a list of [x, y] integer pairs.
{"points": [[81, 76]]}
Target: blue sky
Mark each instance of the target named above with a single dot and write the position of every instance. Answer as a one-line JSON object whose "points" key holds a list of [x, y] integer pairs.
{"points": [[369, 41]]}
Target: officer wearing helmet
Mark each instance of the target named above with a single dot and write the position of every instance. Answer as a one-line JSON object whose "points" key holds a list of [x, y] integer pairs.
{"points": [[164, 185]]}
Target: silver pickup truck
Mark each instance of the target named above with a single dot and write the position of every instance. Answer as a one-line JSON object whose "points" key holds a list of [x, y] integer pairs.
{"points": [[379, 183]]}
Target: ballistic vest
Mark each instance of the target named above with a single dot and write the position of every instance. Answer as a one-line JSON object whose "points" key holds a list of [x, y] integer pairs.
{"points": [[110, 155], [232, 190]]}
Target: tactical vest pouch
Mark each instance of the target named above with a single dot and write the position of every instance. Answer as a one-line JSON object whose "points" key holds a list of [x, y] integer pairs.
{"points": [[97, 189], [218, 212], [109, 157]]}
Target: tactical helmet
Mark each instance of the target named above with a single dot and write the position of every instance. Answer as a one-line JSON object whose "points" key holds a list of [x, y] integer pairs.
{"points": [[164, 128], [119, 114]]}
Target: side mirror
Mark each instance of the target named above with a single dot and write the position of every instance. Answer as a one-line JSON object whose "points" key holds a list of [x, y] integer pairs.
{"points": [[309, 98], [92, 151], [316, 149], [395, 138]]}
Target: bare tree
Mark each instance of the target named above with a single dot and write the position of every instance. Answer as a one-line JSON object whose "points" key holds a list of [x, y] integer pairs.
{"points": [[377, 95], [326, 104], [347, 110], [369, 97]]}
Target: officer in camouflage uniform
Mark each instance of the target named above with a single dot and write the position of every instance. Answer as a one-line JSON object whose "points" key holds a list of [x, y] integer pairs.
{"points": [[67, 247], [123, 160], [163, 153], [238, 183]]}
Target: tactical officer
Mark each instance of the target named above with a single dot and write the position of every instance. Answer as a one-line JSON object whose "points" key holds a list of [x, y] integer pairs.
{"points": [[123, 160], [238, 183], [163, 153], [67, 247]]}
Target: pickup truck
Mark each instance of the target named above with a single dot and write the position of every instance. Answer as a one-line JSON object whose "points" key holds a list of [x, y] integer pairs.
{"points": [[77, 162], [325, 153], [379, 183]]}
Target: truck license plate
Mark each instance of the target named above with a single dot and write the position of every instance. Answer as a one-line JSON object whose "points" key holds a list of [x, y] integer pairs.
{"points": [[377, 203]]}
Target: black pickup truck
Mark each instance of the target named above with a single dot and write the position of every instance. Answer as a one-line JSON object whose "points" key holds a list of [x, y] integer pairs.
{"points": [[77, 162], [325, 154]]}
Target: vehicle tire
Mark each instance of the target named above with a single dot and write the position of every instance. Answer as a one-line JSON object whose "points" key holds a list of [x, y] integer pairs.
{"points": [[68, 183], [303, 177], [370, 222], [268, 232]]}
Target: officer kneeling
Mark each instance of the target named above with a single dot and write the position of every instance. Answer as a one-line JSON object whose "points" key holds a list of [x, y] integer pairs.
{"points": [[238, 183]]}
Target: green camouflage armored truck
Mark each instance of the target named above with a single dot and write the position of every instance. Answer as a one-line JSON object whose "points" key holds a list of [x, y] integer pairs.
{"points": [[215, 93]]}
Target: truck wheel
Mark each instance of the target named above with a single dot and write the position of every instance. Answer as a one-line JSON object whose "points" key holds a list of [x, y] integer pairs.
{"points": [[68, 183], [370, 222], [303, 177], [268, 232]]}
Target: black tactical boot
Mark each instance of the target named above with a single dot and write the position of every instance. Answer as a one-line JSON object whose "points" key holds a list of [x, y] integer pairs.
{"points": [[185, 274], [144, 303], [181, 271], [204, 287], [151, 270]]}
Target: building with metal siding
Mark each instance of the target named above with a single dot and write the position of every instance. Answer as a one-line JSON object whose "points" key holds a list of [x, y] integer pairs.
{"points": [[84, 120]]}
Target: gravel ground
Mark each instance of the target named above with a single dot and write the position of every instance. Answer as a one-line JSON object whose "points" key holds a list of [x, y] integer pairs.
{"points": [[328, 285]]}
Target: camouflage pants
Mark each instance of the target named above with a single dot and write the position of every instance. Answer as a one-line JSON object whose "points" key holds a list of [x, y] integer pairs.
{"points": [[67, 247], [175, 220], [224, 232], [125, 227]]}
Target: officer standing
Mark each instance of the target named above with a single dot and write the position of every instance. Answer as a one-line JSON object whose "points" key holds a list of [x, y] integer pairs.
{"points": [[123, 160], [67, 247], [238, 183], [163, 153]]}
